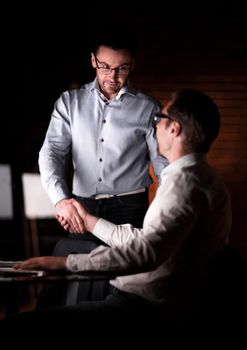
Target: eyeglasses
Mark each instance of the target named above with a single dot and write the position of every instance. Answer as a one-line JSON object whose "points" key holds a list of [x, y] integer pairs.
{"points": [[158, 116], [105, 69]]}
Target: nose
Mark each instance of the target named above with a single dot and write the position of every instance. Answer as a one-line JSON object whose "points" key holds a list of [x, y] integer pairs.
{"points": [[114, 72]]}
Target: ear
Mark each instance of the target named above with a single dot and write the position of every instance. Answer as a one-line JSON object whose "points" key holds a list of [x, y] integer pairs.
{"points": [[93, 60], [176, 128]]}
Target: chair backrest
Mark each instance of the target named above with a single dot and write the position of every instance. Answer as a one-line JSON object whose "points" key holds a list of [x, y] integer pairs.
{"points": [[6, 193], [37, 206]]}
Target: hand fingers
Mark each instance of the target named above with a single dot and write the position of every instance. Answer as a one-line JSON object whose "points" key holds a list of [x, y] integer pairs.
{"points": [[78, 228], [73, 223]]}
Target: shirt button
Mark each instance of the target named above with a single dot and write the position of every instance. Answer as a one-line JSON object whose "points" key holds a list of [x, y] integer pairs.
{"points": [[104, 121], [99, 179], [100, 159], [102, 140]]}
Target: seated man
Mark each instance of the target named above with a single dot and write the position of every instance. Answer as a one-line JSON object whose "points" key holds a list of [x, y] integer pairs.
{"points": [[162, 266]]}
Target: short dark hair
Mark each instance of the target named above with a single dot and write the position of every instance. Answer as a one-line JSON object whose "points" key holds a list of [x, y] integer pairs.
{"points": [[199, 117], [120, 39]]}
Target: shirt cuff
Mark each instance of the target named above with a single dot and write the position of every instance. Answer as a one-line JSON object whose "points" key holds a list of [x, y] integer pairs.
{"points": [[76, 262], [103, 230]]}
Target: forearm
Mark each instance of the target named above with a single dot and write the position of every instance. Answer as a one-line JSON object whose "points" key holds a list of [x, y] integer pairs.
{"points": [[114, 235], [90, 221]]}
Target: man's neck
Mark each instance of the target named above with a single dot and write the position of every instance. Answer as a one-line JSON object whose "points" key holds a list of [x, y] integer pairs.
{"points": [[177, 153]]}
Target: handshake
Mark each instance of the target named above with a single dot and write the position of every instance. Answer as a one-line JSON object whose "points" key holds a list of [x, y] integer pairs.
{"points": [[74, 217]]}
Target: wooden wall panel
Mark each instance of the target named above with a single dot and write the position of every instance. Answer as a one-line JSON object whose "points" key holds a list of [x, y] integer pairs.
{"points": [[215, 63]]}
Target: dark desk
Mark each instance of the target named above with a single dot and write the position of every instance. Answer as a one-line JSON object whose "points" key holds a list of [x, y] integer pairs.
{"points": [[53, 276], [13, 285]]}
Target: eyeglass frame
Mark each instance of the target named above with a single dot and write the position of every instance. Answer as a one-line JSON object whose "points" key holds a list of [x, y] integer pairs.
{"points": [[158, 116], [128, 69]]}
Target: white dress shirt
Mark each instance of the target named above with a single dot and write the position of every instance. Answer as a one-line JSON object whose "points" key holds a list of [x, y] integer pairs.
{"points": [[187, 223]]}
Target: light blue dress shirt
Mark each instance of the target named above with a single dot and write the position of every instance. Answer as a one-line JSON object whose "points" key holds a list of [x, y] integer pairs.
{"points": [[112, 143]]}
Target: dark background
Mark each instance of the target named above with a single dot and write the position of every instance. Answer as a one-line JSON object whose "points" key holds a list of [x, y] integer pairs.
{"points": [[46, 50]]}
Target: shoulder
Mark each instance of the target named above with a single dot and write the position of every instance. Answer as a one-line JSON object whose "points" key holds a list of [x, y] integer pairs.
{"points": [[148, 98], [141, 95], [75, 94], [145, 98]]}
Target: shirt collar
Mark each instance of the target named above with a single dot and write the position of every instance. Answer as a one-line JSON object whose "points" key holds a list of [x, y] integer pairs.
{"points": [[187, 160], [126, 89]]}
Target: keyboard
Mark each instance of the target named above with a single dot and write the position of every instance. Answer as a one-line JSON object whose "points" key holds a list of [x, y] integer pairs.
{"points": [[8, 263], [6, 268]]}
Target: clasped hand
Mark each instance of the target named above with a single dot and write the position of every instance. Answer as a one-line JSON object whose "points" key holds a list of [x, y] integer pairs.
{"points": [[71, 215]]}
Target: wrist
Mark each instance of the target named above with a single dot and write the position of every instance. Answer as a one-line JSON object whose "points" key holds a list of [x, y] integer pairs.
{"points": [[90, 221], [62, 202]]}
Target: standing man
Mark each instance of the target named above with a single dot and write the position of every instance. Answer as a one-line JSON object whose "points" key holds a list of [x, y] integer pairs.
{"points": [[107, 127]]}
